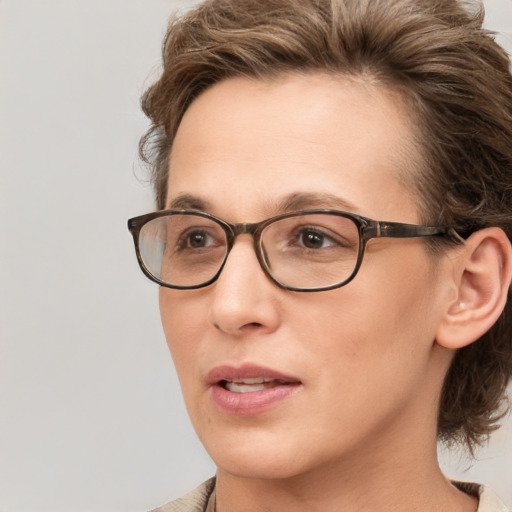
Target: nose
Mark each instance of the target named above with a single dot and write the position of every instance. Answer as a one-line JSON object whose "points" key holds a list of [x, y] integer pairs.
{"points": [[245, 300]]}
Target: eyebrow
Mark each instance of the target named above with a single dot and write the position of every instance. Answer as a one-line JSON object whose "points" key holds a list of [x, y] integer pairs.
{"points": [[292, 202], [307, 200], [189, 202]]}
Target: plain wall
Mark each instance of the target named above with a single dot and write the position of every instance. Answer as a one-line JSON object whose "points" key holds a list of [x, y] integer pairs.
{"points": [[91, 417]]}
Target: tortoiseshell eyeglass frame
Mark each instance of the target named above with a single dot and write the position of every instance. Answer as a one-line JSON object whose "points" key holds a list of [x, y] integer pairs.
{"points": [[367, 229]]}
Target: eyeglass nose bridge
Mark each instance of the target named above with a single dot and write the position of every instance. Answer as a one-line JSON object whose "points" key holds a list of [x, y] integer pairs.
{"points": [[245, 228], [253, 229]]}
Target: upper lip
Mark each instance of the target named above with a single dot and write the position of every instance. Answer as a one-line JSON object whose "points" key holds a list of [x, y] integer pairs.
{"points": [[246, 371]]}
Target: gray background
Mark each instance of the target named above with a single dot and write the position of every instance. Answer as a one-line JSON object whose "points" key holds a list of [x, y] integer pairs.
{"points": [[91, 418]]}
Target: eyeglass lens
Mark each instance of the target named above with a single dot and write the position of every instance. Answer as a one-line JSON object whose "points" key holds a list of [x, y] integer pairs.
{"points": [[304, 251]]}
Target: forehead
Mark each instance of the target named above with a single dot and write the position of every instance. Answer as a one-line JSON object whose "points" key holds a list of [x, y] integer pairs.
{"points": [[263, 140]]}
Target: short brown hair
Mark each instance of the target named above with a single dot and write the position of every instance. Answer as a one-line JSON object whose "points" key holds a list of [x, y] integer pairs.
{"points": [[458, 84]]}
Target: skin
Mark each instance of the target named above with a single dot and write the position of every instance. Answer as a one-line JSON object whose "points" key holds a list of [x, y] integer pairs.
{"points": [[361, 429]]}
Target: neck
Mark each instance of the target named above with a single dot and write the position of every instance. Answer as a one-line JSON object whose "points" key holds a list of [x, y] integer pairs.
{"points": [[399, 480]]}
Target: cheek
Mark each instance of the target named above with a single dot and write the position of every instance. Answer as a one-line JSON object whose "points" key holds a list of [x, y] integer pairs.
{"points": [[371, 330], [369, 355], [183, 321]]}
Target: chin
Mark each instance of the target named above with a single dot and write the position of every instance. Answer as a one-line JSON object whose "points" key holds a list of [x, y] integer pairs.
{"points": [[243, 452], [244, 456], [270, 469]]}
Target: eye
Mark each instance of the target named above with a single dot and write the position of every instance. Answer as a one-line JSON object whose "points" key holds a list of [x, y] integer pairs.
{"points": [[313, 238], [197, 239]]}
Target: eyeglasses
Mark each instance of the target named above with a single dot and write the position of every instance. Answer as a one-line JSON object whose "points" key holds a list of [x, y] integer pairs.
{"points": [[304, 251]]}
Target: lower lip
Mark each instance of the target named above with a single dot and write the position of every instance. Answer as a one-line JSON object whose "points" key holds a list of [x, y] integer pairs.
{"points": [[253, 402]]}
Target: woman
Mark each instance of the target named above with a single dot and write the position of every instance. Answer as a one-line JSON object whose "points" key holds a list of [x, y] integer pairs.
{"points": [[332, 241]]}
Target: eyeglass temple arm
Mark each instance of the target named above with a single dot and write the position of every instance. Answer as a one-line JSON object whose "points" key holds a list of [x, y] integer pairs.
{"points": [[378, 229]]}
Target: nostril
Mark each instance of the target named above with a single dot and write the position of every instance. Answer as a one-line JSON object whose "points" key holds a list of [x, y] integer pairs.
{"points": [[253, 325], [248, 326]]}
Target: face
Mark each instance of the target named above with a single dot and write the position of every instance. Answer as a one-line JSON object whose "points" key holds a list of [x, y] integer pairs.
{"points": [[278, 383]]}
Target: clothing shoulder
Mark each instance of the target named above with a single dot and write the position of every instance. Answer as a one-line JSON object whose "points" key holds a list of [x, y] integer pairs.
{"points": [[194, 501], [197, 500], [489, 501]]}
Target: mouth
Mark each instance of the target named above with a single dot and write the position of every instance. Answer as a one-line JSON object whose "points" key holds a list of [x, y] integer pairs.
{"points": [[249, 385], [250, 389]]}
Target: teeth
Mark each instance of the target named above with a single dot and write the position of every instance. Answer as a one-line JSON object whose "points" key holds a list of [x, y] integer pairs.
{"points": [[255, 380], [248, 385], [236, 387]]}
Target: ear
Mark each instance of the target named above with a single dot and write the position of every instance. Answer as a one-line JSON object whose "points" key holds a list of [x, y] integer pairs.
{"points": [[482, 277]]}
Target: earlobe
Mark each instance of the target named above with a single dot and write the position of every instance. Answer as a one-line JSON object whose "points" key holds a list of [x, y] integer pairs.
{"points": [[483, 274]]}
